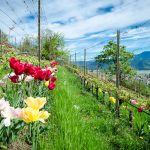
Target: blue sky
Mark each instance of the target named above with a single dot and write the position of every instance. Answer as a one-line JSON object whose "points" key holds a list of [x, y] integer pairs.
{"points": [[83, 23]]}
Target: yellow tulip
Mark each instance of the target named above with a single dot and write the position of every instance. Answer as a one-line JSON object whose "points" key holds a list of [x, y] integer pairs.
{"points": [[35, 103], [112, 99], [47, 83], [43, 115], [32, 115]]}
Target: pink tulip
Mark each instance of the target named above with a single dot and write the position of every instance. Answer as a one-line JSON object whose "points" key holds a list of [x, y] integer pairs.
{"points": [[135, 102], [17, 113]]}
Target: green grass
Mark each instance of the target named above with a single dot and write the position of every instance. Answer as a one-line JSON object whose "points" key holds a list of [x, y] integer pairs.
{"points": [[79, 122], [71, 115]]}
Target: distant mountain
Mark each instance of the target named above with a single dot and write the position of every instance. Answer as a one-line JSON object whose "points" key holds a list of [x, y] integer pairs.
{"points": [[139, 62], [91, 65]]}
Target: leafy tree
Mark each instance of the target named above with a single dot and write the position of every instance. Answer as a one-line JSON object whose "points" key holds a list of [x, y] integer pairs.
{"points": [[108, 56], [28, 45], [53, 45]]}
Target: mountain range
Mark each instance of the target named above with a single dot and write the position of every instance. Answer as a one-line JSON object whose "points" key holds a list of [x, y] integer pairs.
{"points": [[140, 62]]}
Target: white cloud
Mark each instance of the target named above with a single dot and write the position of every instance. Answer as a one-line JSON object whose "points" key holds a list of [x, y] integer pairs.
{"points": [[81, 19]]}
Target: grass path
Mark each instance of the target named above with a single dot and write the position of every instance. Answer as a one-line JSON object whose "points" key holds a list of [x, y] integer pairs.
{"points": [[75, 117], [79, 122]]}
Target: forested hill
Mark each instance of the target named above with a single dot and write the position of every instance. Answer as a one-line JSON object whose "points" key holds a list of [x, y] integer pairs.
{"points": [[141, 61]]}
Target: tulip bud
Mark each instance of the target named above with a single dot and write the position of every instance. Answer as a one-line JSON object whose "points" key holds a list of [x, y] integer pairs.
{"points": [[51, 85]]}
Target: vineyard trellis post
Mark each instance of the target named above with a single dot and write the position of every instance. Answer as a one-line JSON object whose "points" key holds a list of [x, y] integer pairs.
{"points": [[139, 86], [97, 71], [1, 42], [84, 62], [101, 75], [97, 88], [70, 59], [117, 72], [15, 44], [75, 58], [20, 47], [39, 31], [86, 68], [130, 118]]}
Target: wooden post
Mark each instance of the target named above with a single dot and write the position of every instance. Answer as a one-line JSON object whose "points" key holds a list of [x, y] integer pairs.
{"points": [[103, 97], [139, 86], [81, 79], [39, 32], [109, 103], [20, 47], [135, 86], [117, 73], [75, 58], [130, 118], [1, 43], [84, 81], [70, 59], [86, 69], [15, 44], [92, 88], [97, 69], [97, 92], [84, 62]]}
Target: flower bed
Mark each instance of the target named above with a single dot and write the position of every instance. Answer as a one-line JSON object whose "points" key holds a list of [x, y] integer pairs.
{"points": [[24, 99]]}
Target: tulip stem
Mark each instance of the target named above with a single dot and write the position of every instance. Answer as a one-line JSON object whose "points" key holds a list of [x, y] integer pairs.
{"points": [[35, 136]]}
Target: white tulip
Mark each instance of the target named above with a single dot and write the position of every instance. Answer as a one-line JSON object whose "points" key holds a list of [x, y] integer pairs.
{"points": [[6, 122], [3, 104], [29, 78]]}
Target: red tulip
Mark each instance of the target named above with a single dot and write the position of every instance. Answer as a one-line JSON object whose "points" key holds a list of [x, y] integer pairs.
{"points": [[36, 72], [39, 75], [27, 68], [42, 75], [14, 78], [53, 64], [19, 68], [12, 62], [47, 74], [33, 70], [51, 85], [53, 79], [140, 109]]}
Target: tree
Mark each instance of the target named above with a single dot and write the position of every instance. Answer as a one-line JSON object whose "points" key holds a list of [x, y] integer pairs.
{"points": [[27, 45], [53, 45], [108, 56], [4, 37]]}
